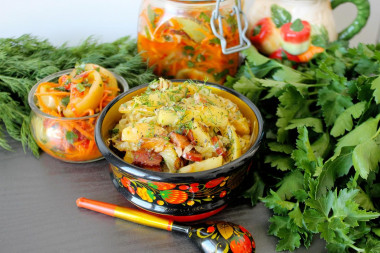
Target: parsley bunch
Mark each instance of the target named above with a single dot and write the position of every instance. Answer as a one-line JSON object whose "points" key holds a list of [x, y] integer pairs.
{"points": [[318, 166], [25, 60]]}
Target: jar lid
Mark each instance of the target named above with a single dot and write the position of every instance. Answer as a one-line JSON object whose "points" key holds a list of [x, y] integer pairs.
{"points": [[218, 31], [217, 25]]}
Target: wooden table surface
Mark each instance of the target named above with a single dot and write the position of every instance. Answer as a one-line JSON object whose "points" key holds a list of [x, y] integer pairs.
{"points": [[38, 212]]}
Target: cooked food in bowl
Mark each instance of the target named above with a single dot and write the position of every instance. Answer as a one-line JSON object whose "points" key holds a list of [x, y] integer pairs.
{"points": [[65, 107], [181, 196], [181, 127]]}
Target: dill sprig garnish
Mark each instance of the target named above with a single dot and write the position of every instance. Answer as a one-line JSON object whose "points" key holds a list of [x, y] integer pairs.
{"points": [[27, 59]]}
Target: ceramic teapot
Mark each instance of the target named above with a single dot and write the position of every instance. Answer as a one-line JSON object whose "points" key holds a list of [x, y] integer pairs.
{"points": [[298, 29]]}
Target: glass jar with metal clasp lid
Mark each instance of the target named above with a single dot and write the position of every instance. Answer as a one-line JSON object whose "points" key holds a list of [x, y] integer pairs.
{"points": [[192, 39]]}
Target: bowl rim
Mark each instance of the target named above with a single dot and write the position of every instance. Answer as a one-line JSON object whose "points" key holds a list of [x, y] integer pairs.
{"points": [[120, 80], [136, 171]]}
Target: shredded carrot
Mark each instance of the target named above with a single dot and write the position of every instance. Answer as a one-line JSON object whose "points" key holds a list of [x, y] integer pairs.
{"points": [[52, 93], [62, 79], [88, 112], [111, 88], [101, 101]]}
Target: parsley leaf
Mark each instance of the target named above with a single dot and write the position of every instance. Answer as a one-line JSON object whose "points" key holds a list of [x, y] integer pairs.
{"points": [[291, 182], [281, 162], [344, 120], [321, 152], [376, 87], [333, 169], [366, 157], [333, 103], [292, 105]]}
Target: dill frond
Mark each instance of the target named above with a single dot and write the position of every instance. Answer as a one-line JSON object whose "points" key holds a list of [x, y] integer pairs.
{"points": [[27, 59]]}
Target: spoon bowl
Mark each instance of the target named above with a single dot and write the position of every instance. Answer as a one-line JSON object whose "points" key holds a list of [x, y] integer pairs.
{"points": [[209, 236]]}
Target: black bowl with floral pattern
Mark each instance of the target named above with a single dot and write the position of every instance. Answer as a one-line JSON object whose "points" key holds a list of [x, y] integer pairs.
{"points": [[180, 196]]}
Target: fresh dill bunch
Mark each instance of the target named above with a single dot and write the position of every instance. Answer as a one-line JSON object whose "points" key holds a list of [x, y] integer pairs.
{"points": [[27, 59]]}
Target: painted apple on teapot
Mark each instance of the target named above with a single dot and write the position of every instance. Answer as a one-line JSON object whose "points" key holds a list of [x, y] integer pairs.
{"points": [[299, 29]]}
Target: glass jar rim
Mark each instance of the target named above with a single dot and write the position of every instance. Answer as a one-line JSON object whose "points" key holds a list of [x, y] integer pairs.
{"points": [[120, 80]]}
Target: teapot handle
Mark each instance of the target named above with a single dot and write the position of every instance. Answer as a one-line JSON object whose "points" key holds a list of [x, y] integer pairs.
{"points": [[360, 20]]}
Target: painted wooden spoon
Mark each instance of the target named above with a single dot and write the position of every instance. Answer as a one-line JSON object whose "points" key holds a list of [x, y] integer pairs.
{"points": [[209, 236]]}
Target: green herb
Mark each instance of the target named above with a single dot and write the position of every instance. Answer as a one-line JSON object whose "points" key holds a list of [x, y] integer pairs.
{"points": [[188, 48], [80, 87], [65, 101], [215, 41], [297, 25], [318, 166], [114, 131], [60, 88], [71, 137], [147, 33], [205, 17], [190, 64], [80, 67], [221, 74], [200, 58], [167, 37], [26, 59], [232, 22], [151, 16]]}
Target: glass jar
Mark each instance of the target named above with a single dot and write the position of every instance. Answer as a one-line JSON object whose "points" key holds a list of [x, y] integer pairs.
{"points": [[66, 139], [196, 40]]}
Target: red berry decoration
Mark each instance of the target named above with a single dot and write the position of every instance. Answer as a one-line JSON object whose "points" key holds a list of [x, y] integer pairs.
{"points": [[215, 182], [184, 187], [193, 189], [210, 229], [241, 244], [174, 196], [127, 183], [162, 186], [222, 194]]}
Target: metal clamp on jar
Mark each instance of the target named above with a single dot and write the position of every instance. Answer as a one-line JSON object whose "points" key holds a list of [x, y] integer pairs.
{"points": [[195, 39]]}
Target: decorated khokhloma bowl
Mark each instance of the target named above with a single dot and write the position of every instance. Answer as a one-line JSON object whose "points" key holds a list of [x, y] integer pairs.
{"points": [[180, 196]]}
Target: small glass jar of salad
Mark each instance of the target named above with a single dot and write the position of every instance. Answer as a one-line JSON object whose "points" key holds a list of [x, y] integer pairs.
{"points": [[65, 107], [197, 40]]}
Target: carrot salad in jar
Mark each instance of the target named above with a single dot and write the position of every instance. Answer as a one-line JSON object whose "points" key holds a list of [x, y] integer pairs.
{"points": [[176, 38], [65, 109]]}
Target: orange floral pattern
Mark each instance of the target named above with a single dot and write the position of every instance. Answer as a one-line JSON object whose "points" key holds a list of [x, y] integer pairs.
{"points": [[187, 194]]}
